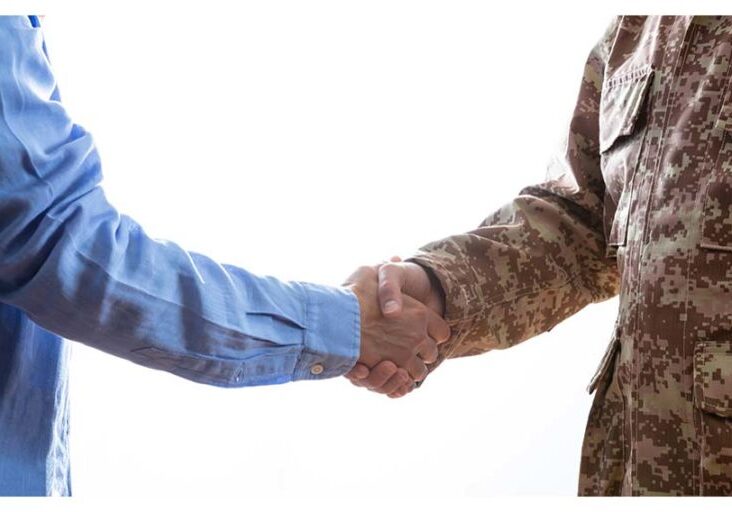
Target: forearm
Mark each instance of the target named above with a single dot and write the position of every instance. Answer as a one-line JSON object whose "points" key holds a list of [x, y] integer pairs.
{"points": [[518, 276], [541, 257], [95, 277], [82, 270]]}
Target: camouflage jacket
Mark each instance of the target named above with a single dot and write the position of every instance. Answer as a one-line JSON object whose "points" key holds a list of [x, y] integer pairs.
{"points": [[640, 205]]}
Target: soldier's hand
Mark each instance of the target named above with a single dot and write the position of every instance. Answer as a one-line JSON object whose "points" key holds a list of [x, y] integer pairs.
{"points": [[395, 280], [398, 278], [408, 339]]}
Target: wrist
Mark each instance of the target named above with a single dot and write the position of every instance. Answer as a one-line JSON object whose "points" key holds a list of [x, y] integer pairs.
{"points": [[363, 308], [438, 297], [436, 293]]}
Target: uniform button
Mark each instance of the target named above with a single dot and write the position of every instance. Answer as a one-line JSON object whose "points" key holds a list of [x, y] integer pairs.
{"points": [[317, 369]]}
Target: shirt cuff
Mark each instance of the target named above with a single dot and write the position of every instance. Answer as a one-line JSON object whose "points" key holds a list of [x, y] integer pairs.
{"points": [[332, 333]]}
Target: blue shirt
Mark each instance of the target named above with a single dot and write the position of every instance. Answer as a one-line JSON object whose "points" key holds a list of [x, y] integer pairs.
{"points": [[71, 266]]}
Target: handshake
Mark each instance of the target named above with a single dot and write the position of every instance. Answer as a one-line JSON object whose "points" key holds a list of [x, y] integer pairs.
{"points": [[402, 324]]}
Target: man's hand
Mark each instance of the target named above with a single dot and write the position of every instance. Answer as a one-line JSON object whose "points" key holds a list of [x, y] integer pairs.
{"points": [[397, 279], [406, 337]]}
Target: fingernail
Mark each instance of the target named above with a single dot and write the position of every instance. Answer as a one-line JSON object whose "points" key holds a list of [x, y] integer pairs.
{"points": [[390, 306]]}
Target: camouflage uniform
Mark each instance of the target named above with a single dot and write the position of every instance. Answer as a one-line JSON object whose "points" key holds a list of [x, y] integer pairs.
{"points": [[641, 205]]}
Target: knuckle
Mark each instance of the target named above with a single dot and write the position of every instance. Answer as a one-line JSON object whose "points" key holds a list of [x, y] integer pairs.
{"points": [[386, 369], [390, 366], [376, 381], [366, 270], [386, 286], [396, 382], [417, 336], [388, 267]]}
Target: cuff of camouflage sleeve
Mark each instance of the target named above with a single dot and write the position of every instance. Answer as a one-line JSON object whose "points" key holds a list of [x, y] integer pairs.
{"points": [[459, 304], [463, 299]]}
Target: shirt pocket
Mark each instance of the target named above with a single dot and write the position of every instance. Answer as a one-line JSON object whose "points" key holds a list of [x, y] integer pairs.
{"points": [[716, 229], [712, 397], [713, 377], [716, 226], [623, 123]]}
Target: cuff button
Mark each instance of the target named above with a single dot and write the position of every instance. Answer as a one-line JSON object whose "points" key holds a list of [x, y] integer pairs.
{"points": [[317, 369]]}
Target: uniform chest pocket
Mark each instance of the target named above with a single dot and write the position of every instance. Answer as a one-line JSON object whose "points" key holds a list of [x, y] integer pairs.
{"points": [[713, 399], [716, 231], [623, 122], [713, 377], [716, 226]]}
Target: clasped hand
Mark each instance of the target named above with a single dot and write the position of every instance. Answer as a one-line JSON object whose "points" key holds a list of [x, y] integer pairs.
{"points": [[401, 326]]}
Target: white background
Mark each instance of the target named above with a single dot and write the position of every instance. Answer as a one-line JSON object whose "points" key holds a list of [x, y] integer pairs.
{"points": [[301, 139]]}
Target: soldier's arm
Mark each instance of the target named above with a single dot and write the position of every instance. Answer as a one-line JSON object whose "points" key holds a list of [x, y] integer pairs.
{"points": [[529, 265], [541, 257]]}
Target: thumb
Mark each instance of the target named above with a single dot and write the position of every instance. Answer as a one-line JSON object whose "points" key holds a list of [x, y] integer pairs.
{"points": [[358, 372], [391, 282]]}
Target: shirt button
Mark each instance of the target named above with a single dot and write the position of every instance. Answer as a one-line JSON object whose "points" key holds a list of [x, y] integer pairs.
{"points": [[316, 369]]}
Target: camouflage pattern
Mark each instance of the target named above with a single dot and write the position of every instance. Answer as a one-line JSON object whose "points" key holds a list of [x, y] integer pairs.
{"points": [[640, 204]]}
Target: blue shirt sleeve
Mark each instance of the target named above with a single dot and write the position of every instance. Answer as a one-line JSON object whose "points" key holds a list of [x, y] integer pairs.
{"points": [[81, 269]]}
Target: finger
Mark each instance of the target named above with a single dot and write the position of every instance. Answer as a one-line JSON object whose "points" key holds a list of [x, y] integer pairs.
{"points": [[391, 282], [428, 351], [405, 389], [380, 374], [362, 274], [394, 259], [416, 368], [358, 383], [437, 328], [397, 381], [358, 372]]}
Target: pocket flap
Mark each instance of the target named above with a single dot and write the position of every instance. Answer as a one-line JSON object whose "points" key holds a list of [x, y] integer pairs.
{"points": [[623, 98], [713, 377], [716, 230]]}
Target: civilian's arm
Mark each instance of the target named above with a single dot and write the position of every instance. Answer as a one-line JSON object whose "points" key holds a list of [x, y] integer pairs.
{"points": [[79, 268]]}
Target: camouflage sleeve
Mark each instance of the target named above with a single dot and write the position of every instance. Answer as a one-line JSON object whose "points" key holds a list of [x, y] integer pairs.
{"points": [[541, 257]]}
